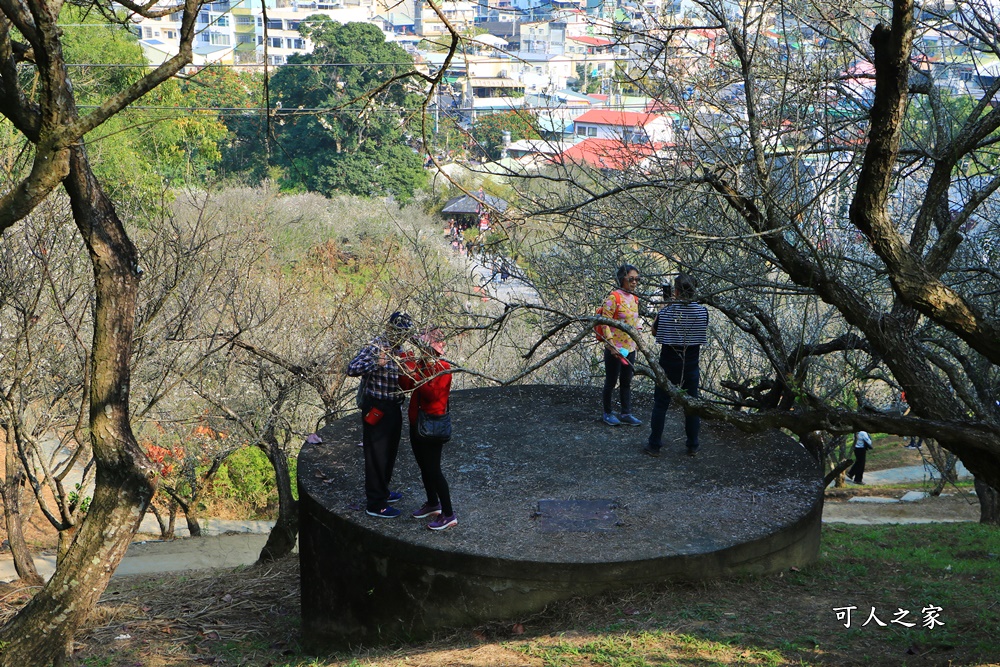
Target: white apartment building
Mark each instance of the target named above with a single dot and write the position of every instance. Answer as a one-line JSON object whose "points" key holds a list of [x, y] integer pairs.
{"points": [[214, 42], [551, 36], [282, 36], [460, 13], [542, 72], [233, 31]]}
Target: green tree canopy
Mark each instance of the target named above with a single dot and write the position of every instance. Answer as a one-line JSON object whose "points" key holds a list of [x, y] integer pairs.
{"points": [[341, 127], [136, 151], [238, 98], [488, 130]]}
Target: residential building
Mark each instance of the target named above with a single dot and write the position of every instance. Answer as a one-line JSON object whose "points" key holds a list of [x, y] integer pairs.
{"points": [[233, 31], [282, 36], [535, 152], [541, 72], [498, 11], [626, 127], [542, 37], [214, 42], [460, 13], [486, 95], [557, 110], [585, 44], [610, 154]]}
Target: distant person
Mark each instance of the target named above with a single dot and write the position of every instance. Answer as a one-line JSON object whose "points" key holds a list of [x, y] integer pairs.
{"points": [[862, 443], [681, 328], [428, 376], [915, 442], [377, 364], [621, 305]]}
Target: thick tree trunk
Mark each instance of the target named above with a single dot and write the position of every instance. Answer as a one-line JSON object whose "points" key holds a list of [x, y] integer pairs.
{"points": [[42, 631], [190, 512], [989, 503], [281, 540], [194, 528]]}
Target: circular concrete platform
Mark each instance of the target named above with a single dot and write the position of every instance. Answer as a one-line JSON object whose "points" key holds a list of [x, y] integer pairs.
{"points": [[551, 504]]}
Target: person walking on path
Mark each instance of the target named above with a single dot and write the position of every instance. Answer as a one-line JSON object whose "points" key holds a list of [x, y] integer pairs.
{"points": [[377, 364], [428, 377], [862, 443], [619, 349], [681, 328]]}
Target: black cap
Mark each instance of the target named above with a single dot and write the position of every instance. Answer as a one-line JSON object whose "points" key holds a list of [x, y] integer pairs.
{"points": [[400, 320]]}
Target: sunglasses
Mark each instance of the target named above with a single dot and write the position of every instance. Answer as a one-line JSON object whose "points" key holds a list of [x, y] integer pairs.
{"points": [[632, 279]]}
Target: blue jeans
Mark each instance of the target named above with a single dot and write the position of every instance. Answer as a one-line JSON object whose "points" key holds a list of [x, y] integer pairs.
{"points": [[681, 370]]}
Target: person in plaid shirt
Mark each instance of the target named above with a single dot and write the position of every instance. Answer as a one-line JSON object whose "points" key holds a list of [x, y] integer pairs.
{"points": [[377, 364]]}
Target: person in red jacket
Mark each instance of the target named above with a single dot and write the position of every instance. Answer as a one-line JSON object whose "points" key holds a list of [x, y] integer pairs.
{"points": [[428, 377]]}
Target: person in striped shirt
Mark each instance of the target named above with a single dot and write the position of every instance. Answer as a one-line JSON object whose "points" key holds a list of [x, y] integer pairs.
{"points": [[681, 328]]}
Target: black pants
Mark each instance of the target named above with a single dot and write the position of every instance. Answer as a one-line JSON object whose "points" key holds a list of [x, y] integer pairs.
{"points": [[381, 444], [615, 372], [682, 371], [428, 456], [857, 470]]}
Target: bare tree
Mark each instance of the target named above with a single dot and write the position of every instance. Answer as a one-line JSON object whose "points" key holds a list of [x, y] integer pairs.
{"points": [[836, 204], [42, 109], [45, 315]]}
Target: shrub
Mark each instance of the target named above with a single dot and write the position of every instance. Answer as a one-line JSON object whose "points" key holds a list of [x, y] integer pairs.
{"points": [[244, 485]]}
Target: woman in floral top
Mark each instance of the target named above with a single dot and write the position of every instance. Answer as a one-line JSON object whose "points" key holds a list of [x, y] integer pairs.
{"points": [[621, 305]]}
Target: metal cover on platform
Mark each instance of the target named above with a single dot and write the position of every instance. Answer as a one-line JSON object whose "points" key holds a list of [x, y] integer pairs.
{"points": [[576, 516]]}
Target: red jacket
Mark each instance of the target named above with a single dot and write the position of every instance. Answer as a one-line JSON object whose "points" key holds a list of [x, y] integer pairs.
{"points": [[431, 396]]}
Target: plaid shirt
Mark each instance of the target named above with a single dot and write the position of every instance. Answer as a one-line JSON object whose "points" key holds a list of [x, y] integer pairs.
{"points": [[381, 382]]}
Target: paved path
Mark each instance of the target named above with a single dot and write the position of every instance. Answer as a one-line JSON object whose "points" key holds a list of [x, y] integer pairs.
{"points": [[908, 474], [512, 290], [224, 544]]}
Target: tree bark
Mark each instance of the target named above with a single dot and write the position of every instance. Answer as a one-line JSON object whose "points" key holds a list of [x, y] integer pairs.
{"points": [[41, 632], [194, 528], [989, 503], [10, 493], [166, 524], [281, 539]]}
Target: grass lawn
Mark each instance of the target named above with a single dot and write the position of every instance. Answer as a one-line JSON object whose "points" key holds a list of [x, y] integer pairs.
{"points": [[889, 452], [250, 617]]}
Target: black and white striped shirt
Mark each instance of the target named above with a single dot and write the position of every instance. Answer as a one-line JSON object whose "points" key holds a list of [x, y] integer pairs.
{"points": [[682, 325]]}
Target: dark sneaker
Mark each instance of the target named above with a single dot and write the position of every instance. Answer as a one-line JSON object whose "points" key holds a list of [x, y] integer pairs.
{"points": [[610, 419], [384, 513], [649, 451], [442, 521], [629, 420], [427, 510], [693, 452], [394, 497]]}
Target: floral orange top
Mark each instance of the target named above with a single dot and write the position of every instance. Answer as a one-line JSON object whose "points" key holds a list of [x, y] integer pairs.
{"points": [[624, 307]]}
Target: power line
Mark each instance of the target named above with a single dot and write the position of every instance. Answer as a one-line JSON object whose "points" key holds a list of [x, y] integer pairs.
{"points": [[227, 65], [326, 110]]}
